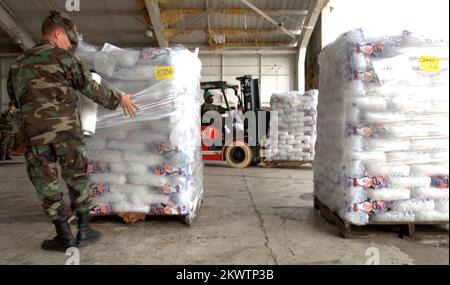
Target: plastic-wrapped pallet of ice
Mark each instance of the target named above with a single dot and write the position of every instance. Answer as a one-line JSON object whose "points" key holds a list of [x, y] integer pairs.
{"points": [[382, 151], [295, 126], [150, 163]]}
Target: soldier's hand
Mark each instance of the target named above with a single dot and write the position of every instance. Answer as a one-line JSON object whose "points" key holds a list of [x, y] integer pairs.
{"points": [[128, 106]]}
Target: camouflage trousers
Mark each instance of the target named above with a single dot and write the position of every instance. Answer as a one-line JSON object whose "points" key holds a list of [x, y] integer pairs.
{"points": [[41, 163], [6, 144]]}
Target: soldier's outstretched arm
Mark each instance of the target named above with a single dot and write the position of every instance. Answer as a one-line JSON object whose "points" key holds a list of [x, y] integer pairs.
{"points": [[128, 106], [82, 80]]}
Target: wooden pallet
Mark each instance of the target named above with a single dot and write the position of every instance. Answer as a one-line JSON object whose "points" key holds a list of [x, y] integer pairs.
{"points": [[130, 217], [134, 217], [286, 163], [345, 227]]}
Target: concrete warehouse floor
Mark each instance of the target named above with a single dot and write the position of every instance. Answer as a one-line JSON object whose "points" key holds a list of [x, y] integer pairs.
{"points": [[251, 216]]}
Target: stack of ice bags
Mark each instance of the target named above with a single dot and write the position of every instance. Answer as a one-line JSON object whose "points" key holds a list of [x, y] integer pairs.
{"points": [[150, 163], [294, 126], [382, 151]]}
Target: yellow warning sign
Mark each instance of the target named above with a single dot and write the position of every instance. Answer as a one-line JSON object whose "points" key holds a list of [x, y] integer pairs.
{"points": [[428, 63], [164, 72]]}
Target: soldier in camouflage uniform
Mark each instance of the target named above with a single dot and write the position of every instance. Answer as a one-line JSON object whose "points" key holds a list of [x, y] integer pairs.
{"points": [[209, 106], [45, 79], [7, 122]]}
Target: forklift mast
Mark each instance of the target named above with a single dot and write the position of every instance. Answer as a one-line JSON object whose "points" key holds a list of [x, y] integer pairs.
{"points": [[250, 93]]}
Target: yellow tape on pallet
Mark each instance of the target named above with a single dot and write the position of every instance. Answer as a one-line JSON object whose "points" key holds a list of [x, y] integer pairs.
{"points": [[164, 72], [428, 63]]}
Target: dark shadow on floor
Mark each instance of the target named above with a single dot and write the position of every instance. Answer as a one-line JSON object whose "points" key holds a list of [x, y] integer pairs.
{"points": [[113, 219]]}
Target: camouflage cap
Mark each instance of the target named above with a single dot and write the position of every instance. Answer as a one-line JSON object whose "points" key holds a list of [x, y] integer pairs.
{"points": [[64, 21]]}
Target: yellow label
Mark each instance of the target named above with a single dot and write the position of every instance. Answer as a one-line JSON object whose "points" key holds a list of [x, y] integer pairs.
{"points": [[428, 63], [164, 72]]}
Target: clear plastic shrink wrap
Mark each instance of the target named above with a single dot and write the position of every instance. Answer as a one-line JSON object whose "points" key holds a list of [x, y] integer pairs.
{"points": [[295, 126], [382, 149], [150, 163]]}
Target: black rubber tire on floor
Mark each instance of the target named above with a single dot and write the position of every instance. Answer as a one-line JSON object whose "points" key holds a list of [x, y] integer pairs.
{"points": [[238, 155]]}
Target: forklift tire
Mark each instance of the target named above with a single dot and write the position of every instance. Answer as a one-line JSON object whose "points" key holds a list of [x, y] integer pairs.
{"points": [[238, 155]]}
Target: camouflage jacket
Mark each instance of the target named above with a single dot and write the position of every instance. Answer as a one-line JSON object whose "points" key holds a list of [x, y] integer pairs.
{"points": [[7, 122], [211, 107], [45, 81]]}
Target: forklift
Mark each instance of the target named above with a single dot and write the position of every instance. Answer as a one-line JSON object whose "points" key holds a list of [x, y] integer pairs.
{"points": [[236, 151]]}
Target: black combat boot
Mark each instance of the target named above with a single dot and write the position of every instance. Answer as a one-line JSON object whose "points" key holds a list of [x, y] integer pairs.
{"points": [[86, 234], [64, 238], [8, 156]]}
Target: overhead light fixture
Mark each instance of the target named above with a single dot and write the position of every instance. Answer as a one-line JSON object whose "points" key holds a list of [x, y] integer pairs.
{"points": [[18, 40], [149, 33], [218, 38]]}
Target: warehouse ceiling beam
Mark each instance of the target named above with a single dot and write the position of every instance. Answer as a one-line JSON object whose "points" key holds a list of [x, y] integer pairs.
{"points": [[274, 45], [199, 17], [230, 48], [168, 16], [112, 32], [13, 28], [82, 13], [232, 11], [250, 44], [268, 18], [230, 33], [172, 16], [247, 50], [154, 15], [315, 8]]}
